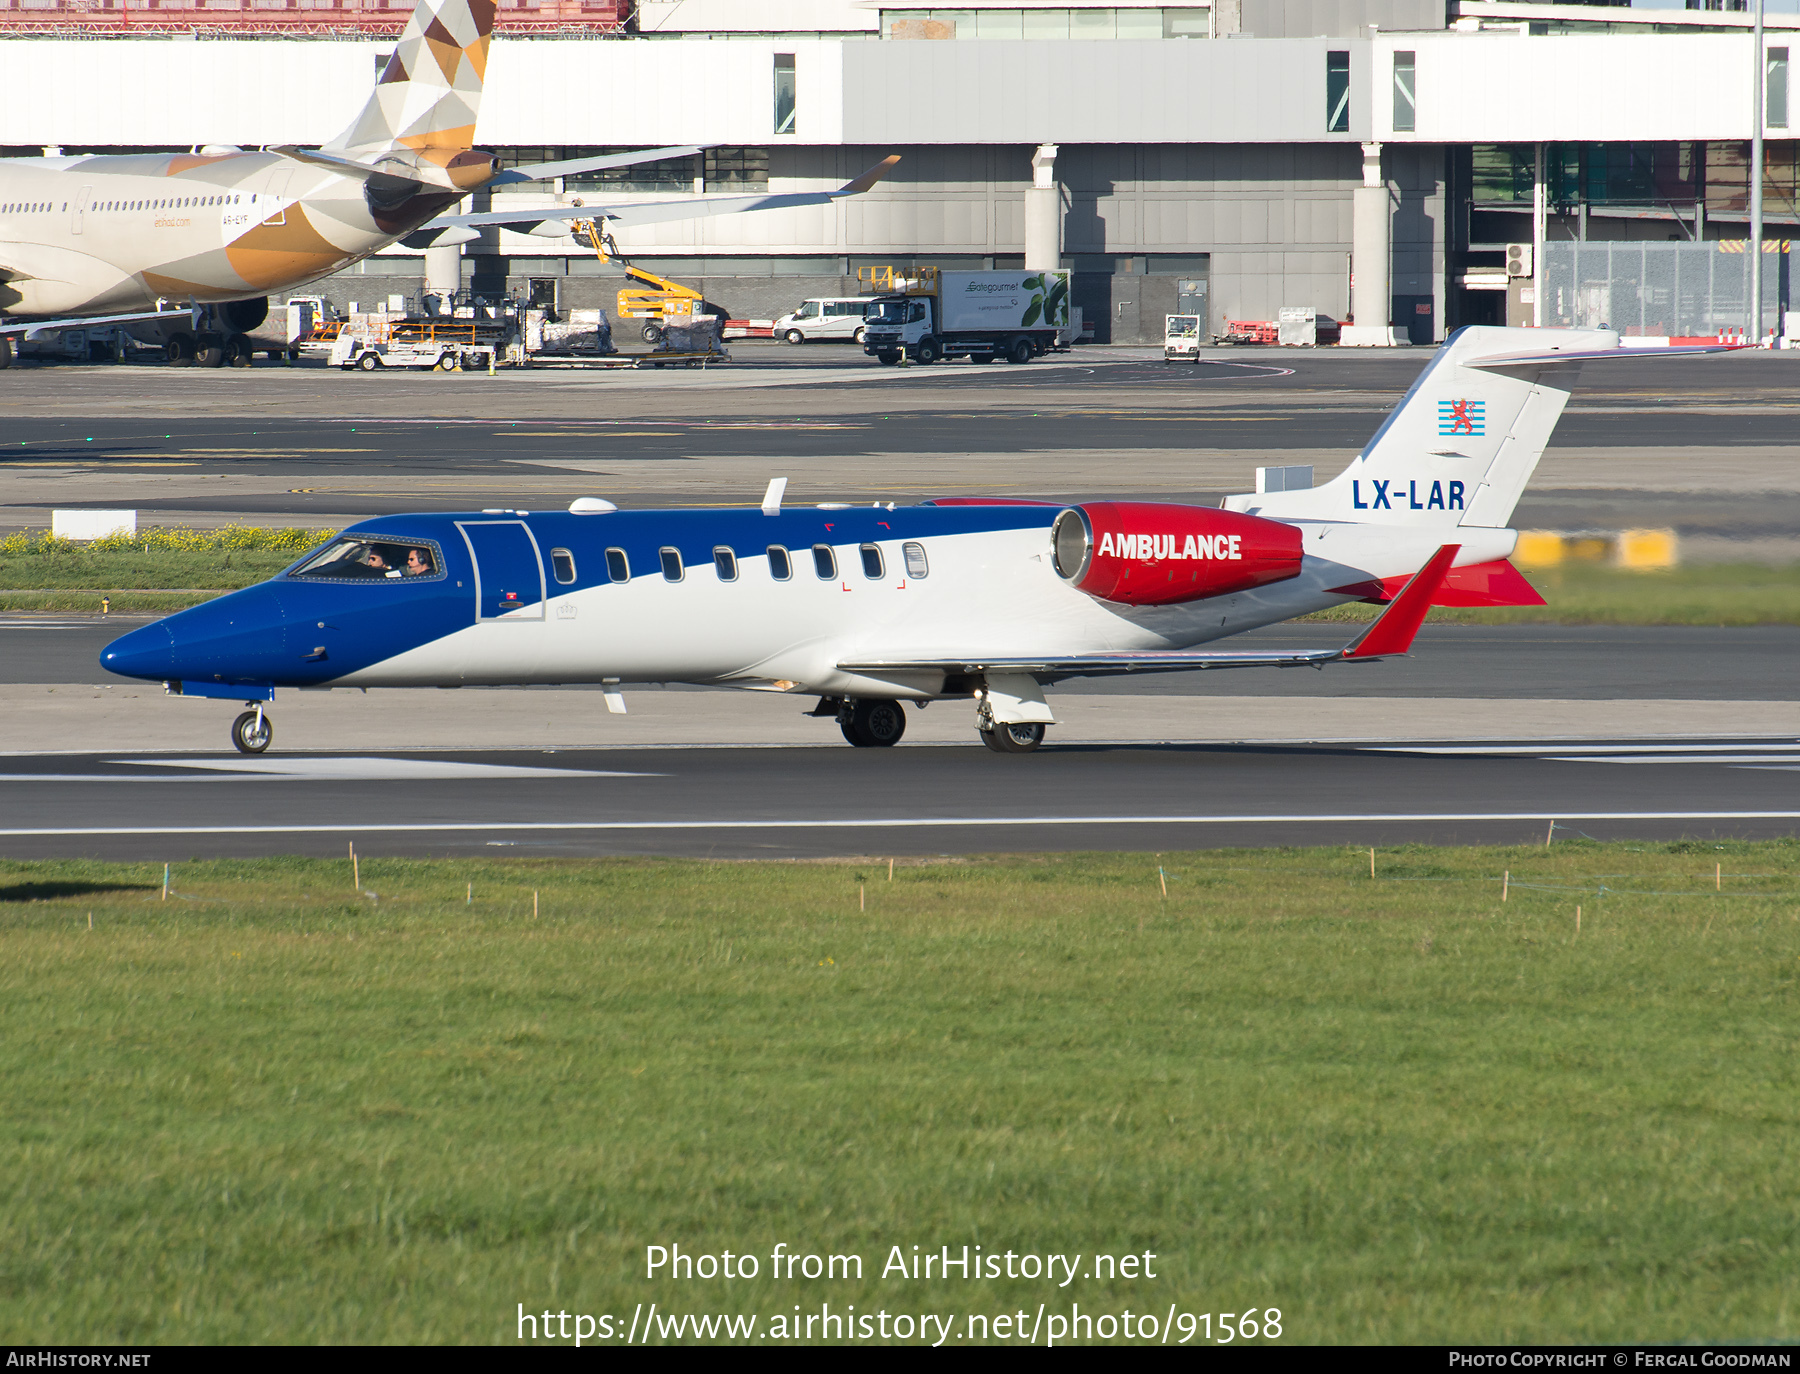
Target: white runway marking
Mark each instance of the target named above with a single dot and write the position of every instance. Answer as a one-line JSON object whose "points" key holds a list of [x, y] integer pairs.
{"points": [[287, 769], [1736, 759], [901, 822], [1561, 748]]}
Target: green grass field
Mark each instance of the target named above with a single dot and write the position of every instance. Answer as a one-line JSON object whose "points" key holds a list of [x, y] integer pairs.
{"points": [[158, 570], [1397, 1109]]}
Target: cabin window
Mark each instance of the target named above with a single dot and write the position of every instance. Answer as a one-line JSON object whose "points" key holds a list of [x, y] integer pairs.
{"points": [[562, 563], [871, 557], [725, 560], [916, 566], [671, 564], [781, 567], [374, 558], [824, 561], [618, 566]]}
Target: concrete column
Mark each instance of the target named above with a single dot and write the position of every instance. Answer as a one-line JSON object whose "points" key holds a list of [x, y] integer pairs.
{"points": [[1043, 213], [1370, 296], [443, 268], [1540, 228]]}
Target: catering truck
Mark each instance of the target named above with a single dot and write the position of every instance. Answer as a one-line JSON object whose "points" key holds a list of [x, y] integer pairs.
{"points": [[980, 315]]}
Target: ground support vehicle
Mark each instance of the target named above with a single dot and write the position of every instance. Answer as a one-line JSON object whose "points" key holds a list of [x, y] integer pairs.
{"points": [[824, 317], [1181, 338], [654, 299], [926, 314], [371, 343], [1269, 331]]}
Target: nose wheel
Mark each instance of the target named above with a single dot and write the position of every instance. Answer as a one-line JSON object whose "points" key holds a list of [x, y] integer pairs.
{"points": [[1013, 739], [252, 731]]}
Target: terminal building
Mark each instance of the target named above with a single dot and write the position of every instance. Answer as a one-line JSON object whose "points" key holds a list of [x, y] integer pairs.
{"points": [[1407, 165]]}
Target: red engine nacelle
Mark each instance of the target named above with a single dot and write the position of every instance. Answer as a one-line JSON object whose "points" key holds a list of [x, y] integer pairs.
{"points": [[1141, 553]]}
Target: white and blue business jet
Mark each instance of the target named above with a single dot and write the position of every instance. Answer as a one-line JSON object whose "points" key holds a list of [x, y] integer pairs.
{"points": [[869, 607]]}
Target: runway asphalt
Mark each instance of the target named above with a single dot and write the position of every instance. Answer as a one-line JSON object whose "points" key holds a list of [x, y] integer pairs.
{"points": [[734, 803], [1513, 662]]}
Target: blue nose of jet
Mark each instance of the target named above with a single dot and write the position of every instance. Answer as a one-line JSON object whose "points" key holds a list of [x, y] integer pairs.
{"points": [[147, 652]]}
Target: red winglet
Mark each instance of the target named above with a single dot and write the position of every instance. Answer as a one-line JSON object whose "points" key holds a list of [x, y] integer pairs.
{"points": [[1394, 628]]}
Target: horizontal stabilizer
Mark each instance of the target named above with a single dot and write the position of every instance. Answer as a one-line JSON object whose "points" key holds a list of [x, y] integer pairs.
{"points": [[1507, 362], [1497, 583]]}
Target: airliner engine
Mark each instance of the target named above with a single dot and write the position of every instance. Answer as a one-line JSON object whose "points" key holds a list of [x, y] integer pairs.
{"points": [[1141, 553]]}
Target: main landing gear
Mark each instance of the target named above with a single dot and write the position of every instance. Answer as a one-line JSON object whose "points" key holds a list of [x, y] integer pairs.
{"points": [[874, 723], [252, 731]]}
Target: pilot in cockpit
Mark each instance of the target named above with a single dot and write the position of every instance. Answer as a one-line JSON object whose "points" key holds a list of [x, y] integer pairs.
{"points": [[418, 562]]}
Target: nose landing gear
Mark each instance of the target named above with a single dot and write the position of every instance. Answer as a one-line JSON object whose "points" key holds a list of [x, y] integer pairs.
{"points": [[252, 731], [1013, 739]]}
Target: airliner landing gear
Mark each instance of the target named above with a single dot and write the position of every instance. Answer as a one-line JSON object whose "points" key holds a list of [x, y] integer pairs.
{"points": [[1013, 739], [209, 351], [180, 348], [872, 724], [238, 351], [252, 731]]}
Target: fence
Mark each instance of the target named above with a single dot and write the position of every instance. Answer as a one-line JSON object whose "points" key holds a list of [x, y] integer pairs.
{"points": [[1679, 290]]}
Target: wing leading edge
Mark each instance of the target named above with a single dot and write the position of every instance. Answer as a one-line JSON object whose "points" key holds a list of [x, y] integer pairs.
{"points": [[1389, 635], [657, 211]]}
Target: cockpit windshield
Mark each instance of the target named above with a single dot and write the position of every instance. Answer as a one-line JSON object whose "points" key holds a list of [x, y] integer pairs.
{"points": [[362, 558], [896, 312]]}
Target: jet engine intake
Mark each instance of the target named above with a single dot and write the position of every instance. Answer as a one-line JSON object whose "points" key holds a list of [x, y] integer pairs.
{"points": [[1142, 553]]}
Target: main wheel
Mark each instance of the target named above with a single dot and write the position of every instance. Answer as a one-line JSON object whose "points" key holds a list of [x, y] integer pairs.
{"points": [[239, 352], [209, 351], [888, 357], [179, 349], [1021, 351], [1013, 739], [369, 362], [927, 351], [794, 336], [874, 724], [252, 731]]}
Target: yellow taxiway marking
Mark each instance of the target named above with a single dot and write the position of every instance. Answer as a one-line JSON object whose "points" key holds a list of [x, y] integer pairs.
{"points": [[587, 434]]}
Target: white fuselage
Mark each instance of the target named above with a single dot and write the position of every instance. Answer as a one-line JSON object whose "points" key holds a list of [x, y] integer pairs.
{"points": [[992, 593]]}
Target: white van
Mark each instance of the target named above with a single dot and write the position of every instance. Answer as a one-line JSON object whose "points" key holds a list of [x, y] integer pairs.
{"points": [[828, 317]]}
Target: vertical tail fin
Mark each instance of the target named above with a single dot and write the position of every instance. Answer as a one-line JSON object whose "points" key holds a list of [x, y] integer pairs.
{"points": [[428, 94], [1462, 444]]}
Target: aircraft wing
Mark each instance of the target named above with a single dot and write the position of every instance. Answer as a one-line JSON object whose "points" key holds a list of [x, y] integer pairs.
{"points": [[1389, 635], [31, 328], [657, 211], [543, 171]]}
